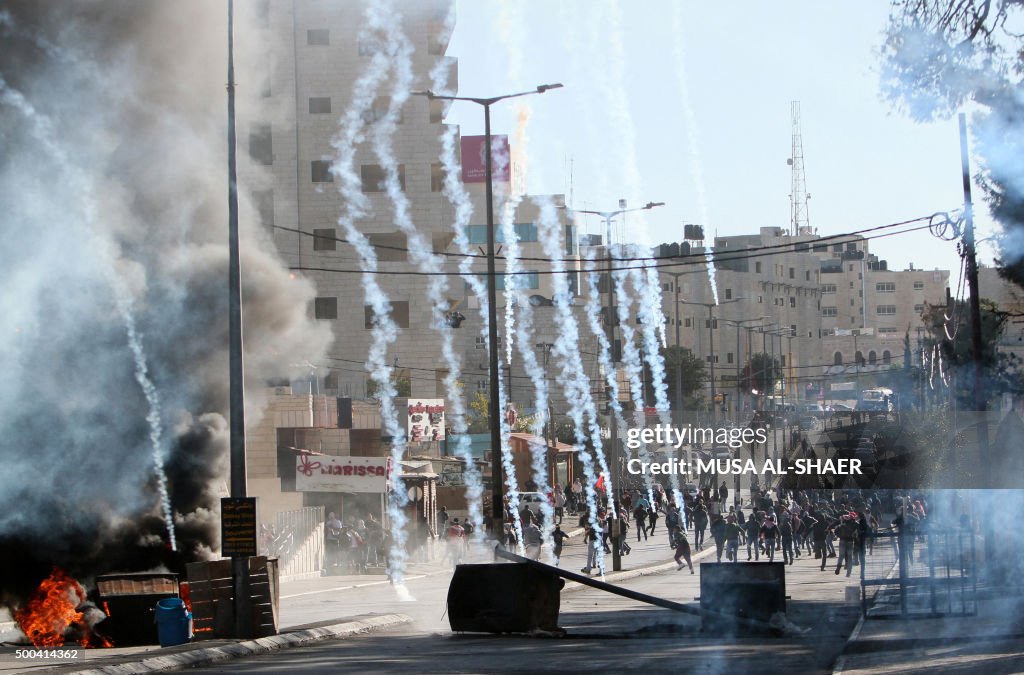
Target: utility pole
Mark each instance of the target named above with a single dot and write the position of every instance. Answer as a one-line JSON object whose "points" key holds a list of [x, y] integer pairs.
{"points": [[610, 322], [493, 412], [980, 404]]}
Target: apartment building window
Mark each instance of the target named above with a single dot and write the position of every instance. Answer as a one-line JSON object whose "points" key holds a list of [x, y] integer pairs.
{"points": [[373, 177], [918, 309], [886, 357], [828, 289], [325, 308], [885, 287], [888, 330], [728, 358], [318, 37], [851, 246], [918, 285], [261, 144], [325, 240], [319, 105], [757, 267], [792, 301], [688, 323], [872, 357], [320, 171], [829, 311], [389, 246], [379, 110], [760, 299], [837, 359], [792, 273], [886, 310], [436, 177], [837, 248], [399, 312], [331, 380], [728, 294]]}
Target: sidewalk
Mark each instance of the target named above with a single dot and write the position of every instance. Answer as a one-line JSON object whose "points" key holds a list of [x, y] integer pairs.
{"points": [[992, 641], [331, 607]]}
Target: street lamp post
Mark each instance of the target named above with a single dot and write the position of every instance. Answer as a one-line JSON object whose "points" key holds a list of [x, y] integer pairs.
{"points": [[738, 323], [711, 344], [493, 413], [608, 217]]}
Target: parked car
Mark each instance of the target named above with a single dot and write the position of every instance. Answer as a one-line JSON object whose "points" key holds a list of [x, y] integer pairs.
{"points": [[532, 501], [690, 490], [809, 423], [814, 409], [866, 455]]}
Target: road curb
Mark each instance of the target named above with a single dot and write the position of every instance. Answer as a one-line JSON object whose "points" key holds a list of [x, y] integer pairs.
{"points": [[209, 655]]}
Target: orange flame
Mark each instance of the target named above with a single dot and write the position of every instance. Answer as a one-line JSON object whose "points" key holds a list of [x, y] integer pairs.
{"points": [[53, 609]]}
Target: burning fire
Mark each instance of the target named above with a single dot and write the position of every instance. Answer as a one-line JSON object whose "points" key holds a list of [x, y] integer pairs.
{"points": [[53, 611]]}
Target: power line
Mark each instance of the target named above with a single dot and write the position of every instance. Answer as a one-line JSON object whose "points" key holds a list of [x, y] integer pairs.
{"points": [[718, 257]]}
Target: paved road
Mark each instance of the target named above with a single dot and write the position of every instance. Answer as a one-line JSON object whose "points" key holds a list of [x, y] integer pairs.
{"points": [[604, 632]]}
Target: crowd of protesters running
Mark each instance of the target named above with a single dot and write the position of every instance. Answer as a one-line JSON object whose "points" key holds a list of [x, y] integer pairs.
{"points": [[777, 524]]}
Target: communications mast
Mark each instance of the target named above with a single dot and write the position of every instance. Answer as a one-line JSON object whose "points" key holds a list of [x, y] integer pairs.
{"points": [[798, 198]]}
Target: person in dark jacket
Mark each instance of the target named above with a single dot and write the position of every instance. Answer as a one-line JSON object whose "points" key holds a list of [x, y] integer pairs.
{"points": [[718, 534]]}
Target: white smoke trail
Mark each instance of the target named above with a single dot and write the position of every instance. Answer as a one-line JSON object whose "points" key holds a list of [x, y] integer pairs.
{"points": [[538, 449], [571, 376], [456, 194], [44, 132], [153, 416], [631, 355], [692, 136], [651, 317], [509, 468], [384, 330]]}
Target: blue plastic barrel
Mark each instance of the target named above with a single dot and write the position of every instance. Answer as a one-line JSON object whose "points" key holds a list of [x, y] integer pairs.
{"points": [[173, 622]]}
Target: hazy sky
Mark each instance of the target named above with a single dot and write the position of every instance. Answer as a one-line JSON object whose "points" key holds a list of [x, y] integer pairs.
{"points": [[716, 154]]}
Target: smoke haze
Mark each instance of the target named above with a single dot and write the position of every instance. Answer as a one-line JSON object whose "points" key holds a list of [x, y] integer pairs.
{"points": [[114, 182]]}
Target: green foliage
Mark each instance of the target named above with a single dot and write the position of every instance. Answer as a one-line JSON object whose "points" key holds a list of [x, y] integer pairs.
{"points": [[1000, 372], [681, 360], [761, 373], [402, 386], [939, 54]]}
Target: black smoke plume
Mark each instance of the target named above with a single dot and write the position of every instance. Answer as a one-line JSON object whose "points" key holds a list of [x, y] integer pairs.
{"points": [[113, 182]]}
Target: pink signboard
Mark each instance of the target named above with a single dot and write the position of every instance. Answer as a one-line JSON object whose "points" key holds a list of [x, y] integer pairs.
{"points": [[474, 159]]}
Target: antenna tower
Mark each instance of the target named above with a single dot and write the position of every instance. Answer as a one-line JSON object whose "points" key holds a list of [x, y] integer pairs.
{"points": [[798, 198]]}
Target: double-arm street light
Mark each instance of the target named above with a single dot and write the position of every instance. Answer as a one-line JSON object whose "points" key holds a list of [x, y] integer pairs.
{"points": [[711, 344], [609, 323], [493, 413]]}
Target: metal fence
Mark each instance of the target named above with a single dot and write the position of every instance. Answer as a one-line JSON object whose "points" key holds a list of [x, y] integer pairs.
{"points": [[919, 574], [296, 539]]}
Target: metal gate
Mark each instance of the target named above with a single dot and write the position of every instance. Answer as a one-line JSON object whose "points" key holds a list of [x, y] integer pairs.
{"points": [[919, 574]]}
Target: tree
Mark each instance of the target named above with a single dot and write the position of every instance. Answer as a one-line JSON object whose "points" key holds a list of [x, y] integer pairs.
{"points": [[1001, 372], [682, 360], [761, 373], [939, 54]]}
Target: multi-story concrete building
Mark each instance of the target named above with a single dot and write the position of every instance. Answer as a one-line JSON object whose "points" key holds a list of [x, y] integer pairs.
{"points": [[824, 306], [767, 302], [313, 52], [868, 309]]}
